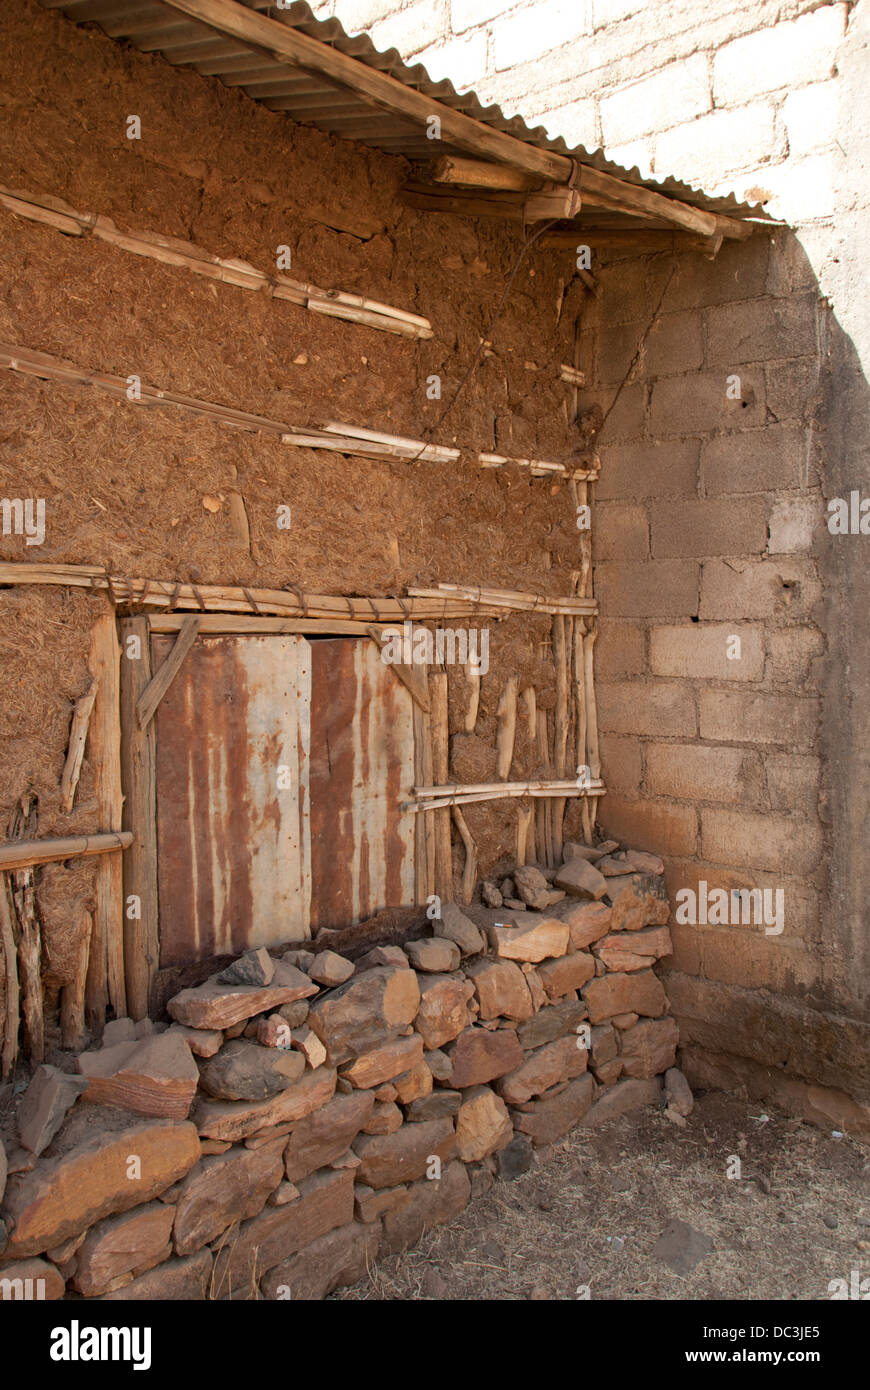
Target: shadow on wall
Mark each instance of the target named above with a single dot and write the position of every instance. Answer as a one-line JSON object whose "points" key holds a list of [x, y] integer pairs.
{"points": [[734, 656]]}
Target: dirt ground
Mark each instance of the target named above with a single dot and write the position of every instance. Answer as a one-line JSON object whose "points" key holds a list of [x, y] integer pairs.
{"points": [[591, 1210]]}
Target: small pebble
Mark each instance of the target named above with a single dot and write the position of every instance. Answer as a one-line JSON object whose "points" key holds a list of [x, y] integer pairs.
{"points": [[831, 1221]]}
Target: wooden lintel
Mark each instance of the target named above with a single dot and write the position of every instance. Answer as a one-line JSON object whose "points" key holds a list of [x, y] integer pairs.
{"points": [[146, 705]]}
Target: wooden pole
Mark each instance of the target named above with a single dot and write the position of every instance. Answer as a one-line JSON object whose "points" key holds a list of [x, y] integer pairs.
{"points": [[21, 854], [421, 867], [26, 915], [472, 675], [146, 705], [78, 734], [441, 772], [524, 821], [506, 715], [469, 872], [73, 995], [11, 989], [106, 959], [530, 705], [593, 758], [138, 779]]}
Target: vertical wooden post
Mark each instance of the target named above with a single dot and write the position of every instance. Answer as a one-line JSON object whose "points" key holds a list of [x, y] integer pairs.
{"points": [[421, 856], [11, 990], [138, 779], [441, 776], [545, 833], [530, 701], [560, 662], [105, 978], [593, 759]]}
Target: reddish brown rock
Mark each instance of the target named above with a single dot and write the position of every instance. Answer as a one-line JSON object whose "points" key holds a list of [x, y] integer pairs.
{"points": [[340, 1257], [528, 936], [604, 1043], [455, 926], [581, 878], [222, 1190], [650, 1047], [414, 1084], [501, 989], [221, 1006], [641, 900], [29, 1280], [330, 969], [537, 993], [623, 1021], [639, 992], [551, 1023], [443, 1013], [371, 1203], [549, 1119], [622, 1099], [386, 1118], [555, 1062], [434, 1106], [634, 950], [438, 1063], [326, 1134], [430, 1203], [390, 1159], [65, 1195], [203, 1042], [435, 955], [560, 977], [325, 1202], [173, 1280], [483, 1124], [606, 1073], [587, 922], [235, 1119], [266, 1136], [572, 848], [532, 887], [120, 1244], [366, 1011], [43, 1107], [478, 1056], [391, 1059], [382, 955], [156, 1076], [643, 862]]}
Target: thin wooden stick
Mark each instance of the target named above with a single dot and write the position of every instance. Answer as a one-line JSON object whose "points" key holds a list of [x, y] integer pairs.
{"points": [[505, 598], [469, 872], [106, 955], [560, 662], [73, 995], [11, 989], [506, 715], [593, 758], [146, 705], [428, 821], [582, 716], [472, 675], [499, 791], [530, 705], [440, 771], [26, 916], [545, 840], [524, 821], [78, 734], [421, 878]]}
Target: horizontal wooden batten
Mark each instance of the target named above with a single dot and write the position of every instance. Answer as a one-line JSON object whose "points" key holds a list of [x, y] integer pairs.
{"points": [[436, 798], [506, 598], [53, 212], [228, 624], [20, 854]]}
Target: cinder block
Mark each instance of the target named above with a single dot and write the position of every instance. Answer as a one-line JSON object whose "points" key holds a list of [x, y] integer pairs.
{"points": [[707, 149], [461, 59], [812, 116], [357, 15], [411, 29], [739, 271], [528, 34], [666, 98], [646, 706], [792, 651], [758, 588], [709, 527], [698, 402], [794, 389], [692, 772], [761, 460], [662, 827], [656, 589], [620, 649], [783, 844], [803, 903], [793, 522], [744, 956], [621, 764], [757, 330], [783, 55], [627, 293], [649, 470], [620, 531], [797, 190], [625, 416], [701, 651], [465, 14], [793, 782], [737, 716], [676, 344]]}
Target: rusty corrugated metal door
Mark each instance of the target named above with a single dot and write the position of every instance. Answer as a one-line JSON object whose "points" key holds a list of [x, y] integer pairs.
{"points": [[232, 796], [361, 769]]}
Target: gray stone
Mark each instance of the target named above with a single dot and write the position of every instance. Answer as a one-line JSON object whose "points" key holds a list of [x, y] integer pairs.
{"points": [[551, 1023], [581, 878], [455, 926], [253, 968], [119, 1030], [679, 1092], [41, 1113], [433, 1106], [246, 1071], [516, 1159]]}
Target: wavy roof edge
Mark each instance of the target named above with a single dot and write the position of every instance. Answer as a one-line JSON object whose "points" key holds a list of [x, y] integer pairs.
{"points": [[360, 46]]}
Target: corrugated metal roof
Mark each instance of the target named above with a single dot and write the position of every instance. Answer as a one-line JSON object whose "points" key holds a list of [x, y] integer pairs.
{"points": [[309, 99]]}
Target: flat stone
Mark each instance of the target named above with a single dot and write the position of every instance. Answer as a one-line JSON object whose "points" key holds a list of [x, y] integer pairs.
{"points": [[186, 1278], [501, 989], [537, 993], [434, 955], [233, 1120], [650, 1047], [479, 1056], [214, 1146], [43, 1107], [586, 921], [253, 968], [649, 944], [560, 977], [604, 1043], [623, 1021], [571, 850], [414, 1084], [366, 1011], [203, 1042], [285, 1192], [643, 862], [370, 1203], [623, 1098], [581, 878], [65, 1195], [329, 968], [306, 1041], [382, 955], [266, 1136], [613, 866], [681, 1247], [386, 1118], [515, 1158], [483, 1124], [434, 1106], [120, 1244], [527, 936], [391, 1059], [551, 1023], [639, 900], [222, 1190], [639, 992], [438, 1063], [324, 1135], [679, 1092], [155, 1076], [429, 1203], [340, 1257], [246, 1071], [551, 1118], [390, 1159], [455, 926], [213, 1005], [443, 1011], [29, 1280], [547, 1066], [325, 1202], [118, 1030]]}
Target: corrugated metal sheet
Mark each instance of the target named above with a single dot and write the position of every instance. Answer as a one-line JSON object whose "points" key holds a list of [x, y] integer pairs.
{"points": [[311, 100], [234, 847], [360, 771]]}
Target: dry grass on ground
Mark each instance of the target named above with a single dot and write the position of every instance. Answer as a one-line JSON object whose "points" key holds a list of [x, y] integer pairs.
{"points": [[590, 1212]]}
